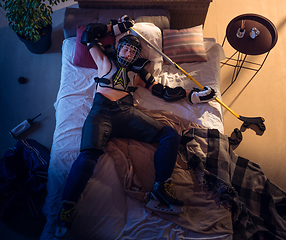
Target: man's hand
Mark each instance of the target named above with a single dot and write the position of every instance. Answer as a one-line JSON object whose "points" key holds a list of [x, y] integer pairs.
{"points": [[126, 18], [93, 31], [121, 25]]}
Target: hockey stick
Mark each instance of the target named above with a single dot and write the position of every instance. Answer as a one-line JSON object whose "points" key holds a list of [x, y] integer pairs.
{"points": [[247, 120]]}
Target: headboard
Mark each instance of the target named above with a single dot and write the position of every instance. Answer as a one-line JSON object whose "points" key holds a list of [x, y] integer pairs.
{"points": [[84, 16], [184, 13]]}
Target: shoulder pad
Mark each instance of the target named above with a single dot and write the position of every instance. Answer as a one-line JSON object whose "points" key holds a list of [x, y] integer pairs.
{"points": [[139, 64]]}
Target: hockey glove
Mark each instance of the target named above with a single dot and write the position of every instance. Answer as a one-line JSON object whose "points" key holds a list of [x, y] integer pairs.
{"points": [[122, 25], [92, 31], [201, 96], [167, 93]]}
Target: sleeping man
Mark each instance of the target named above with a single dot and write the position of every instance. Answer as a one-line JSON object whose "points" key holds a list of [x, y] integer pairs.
{"points": [[113, 115]]}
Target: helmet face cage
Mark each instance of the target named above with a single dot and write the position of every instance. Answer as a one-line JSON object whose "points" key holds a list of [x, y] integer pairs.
{"points": [[131, 45]]}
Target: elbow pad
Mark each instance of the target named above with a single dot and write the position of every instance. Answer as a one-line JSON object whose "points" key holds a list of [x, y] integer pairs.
{"points": [[139, 64], [108, 50], [167, 93], [96, 42], [146, 77]]}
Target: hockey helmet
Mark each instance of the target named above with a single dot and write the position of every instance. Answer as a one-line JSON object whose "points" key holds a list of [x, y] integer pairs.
{"points": [[128, 50]]}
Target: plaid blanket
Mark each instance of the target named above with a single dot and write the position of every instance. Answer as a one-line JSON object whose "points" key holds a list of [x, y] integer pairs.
{"points": [[258, 206]]}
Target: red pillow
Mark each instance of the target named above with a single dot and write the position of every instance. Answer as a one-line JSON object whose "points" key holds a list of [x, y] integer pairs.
{"points": [[82, 57]]}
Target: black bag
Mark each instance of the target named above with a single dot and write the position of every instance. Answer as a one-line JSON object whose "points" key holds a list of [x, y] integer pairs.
{"points": [[23, 177]]}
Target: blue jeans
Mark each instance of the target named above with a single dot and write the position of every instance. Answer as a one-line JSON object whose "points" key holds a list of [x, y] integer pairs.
{"points": [[119, 119], [116, 119]]}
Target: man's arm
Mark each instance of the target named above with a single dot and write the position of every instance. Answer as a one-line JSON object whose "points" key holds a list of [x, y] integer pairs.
{"points": [[90, 37], [100, 59], [145, 79], [95, 31]]}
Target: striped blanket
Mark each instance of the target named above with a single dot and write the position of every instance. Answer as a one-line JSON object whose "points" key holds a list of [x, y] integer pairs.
{"points": [[258, 206]]}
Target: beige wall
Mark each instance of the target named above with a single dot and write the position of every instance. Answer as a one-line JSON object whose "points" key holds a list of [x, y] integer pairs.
{"points": [[265, 94]]}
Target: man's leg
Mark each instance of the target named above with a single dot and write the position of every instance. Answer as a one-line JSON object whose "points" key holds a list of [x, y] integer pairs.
{"points": [[79, 175], [134, 124], [130, 122], [165, 159], [166, 154]]}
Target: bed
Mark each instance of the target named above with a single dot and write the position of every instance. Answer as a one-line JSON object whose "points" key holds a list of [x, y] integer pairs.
{"points": [[113, 205]]}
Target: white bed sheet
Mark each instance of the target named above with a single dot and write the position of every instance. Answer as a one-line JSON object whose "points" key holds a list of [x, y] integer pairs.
{"points": [[118, 216]]}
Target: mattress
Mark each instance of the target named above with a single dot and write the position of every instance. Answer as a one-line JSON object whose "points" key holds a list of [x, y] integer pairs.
{"points": [[108, 209]]}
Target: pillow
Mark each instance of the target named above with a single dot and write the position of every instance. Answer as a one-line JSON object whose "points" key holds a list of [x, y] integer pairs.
{"points": [[185, 45], [154, 35], [82, 57]]}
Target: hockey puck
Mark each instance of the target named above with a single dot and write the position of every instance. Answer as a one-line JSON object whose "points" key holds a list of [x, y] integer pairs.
{"points": [[22, 80]]}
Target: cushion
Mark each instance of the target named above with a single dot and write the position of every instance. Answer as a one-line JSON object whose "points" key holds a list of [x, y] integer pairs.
{"points": [[154, 35], [82, 57], [185, 45]]}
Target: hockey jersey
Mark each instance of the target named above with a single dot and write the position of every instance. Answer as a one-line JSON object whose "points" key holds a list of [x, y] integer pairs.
{"points": [[121, 79]]}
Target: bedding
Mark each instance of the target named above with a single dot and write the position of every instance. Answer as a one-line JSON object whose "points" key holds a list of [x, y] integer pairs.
{"points": [[258, 206], [113, 204]]}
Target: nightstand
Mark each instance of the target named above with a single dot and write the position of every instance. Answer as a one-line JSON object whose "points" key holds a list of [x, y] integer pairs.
{"points": [[249, 34]]}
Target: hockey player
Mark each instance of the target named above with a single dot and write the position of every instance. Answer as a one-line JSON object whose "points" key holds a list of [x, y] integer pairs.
{"points": [[113, 115]]}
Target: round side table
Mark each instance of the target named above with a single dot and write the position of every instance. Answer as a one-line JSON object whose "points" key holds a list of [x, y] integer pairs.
{"points": [[262, 43], [249, 34]]}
